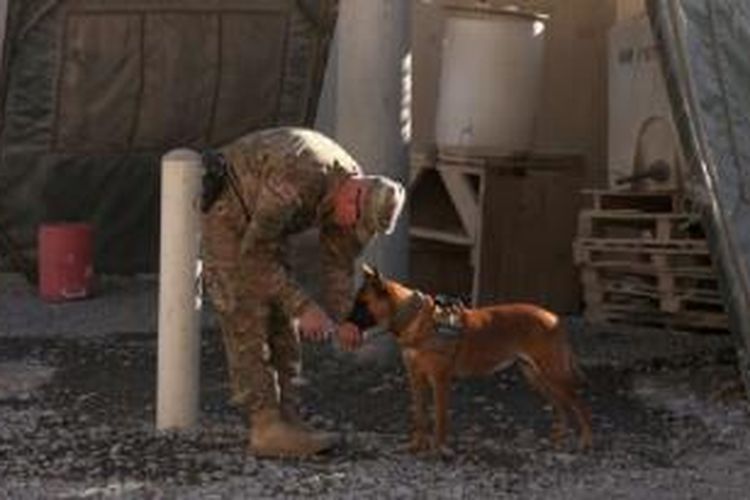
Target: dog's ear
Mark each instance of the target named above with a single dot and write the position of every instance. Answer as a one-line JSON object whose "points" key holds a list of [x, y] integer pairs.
{"points": [[372, 274], [368, 271]]}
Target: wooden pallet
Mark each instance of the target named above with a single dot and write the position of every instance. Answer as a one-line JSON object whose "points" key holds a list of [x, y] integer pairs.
{"points": [[659, 280], [677, 260], [642, 201], [634, 224], [644, 261], [623, 289], [692, 245], [647, 300], [631, 268], [695, 321]]}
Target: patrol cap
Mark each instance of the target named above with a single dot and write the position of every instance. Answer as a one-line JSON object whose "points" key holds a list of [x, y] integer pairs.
{"points": [[382, 205]]}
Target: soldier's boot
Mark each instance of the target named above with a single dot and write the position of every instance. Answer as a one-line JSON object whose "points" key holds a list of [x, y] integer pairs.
{"points": [[290, 402], [273, 436], [290, 413]]}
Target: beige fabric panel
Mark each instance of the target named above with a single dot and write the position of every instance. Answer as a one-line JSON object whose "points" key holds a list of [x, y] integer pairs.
{"points": [[181, 65], [145, 76], [249, 90], [99, 95], [168, 78]]}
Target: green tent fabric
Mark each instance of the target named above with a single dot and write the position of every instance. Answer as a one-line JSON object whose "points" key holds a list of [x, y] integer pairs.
{"points": [[94, 92]]}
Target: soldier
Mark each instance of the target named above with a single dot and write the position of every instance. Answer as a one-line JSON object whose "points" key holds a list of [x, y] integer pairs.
{"points": [[259, 190]]}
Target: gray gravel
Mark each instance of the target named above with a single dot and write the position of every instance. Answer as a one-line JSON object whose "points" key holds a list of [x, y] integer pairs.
{"points": [[118, 305], [76, 421]]}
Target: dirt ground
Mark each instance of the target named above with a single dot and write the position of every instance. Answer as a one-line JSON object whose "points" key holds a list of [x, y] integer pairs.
{"points": [[76, 421]]}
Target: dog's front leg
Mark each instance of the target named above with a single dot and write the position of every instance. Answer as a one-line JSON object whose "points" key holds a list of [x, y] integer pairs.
{"points": [[418, 388], [441, 386]]}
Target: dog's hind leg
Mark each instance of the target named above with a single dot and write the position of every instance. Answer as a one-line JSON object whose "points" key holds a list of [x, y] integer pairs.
{"points": [[560, 383], [538, 382], [567, 394], [565, 377], [576, 378], [583, 417]]}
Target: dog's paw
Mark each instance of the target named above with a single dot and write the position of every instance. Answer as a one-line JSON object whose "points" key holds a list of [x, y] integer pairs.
{"points": [[557, 435], [444, 452], [585, 442], [419, 444]]}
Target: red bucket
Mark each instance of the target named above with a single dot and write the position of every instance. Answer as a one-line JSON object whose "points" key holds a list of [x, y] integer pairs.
{"points": [[65, 261]]}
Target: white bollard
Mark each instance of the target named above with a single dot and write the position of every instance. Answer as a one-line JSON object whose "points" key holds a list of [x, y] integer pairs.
{"points": [[178, 371]]}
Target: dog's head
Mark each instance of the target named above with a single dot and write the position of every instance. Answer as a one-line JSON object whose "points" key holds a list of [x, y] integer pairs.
{"points": [[374, 301]]}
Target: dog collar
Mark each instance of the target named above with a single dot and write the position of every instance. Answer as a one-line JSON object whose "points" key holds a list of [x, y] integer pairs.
{"points": [[406, 313], [403, 316]]}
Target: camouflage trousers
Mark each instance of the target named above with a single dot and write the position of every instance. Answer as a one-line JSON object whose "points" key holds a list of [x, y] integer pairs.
{"points": [[262, 348]]}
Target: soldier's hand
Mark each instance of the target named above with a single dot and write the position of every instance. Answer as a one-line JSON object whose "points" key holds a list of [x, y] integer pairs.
{"points": [[314, 324], [349, 336]]}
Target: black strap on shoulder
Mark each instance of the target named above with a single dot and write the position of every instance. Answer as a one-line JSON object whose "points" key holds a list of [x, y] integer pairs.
{"points": [[214, 178], [218, 173]]}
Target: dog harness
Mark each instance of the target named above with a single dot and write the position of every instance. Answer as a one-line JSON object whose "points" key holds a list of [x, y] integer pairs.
{"points": [[448, 316]]}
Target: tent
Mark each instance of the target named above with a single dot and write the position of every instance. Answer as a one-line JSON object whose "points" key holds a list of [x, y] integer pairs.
{"points": [[94, 92], [704, 47]]}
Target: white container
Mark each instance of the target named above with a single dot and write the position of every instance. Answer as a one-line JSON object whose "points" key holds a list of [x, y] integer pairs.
{"points": [[491, 77]]}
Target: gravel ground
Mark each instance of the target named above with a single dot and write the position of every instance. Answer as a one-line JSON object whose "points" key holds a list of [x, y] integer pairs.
{"points": [[76, 416], [77, 423]]}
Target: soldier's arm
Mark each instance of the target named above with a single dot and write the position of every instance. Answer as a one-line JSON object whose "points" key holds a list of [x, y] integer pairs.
{"points": [[340, 249], [278, 201]]}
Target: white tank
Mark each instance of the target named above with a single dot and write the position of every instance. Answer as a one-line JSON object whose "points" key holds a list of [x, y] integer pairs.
{"points": [[490, 82]]}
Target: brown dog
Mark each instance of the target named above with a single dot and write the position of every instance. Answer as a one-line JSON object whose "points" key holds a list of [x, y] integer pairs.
{"points": [[490, 339]]}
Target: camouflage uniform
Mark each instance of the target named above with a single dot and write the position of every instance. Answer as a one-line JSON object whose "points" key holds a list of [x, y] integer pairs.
{"points": [[285, 177]]}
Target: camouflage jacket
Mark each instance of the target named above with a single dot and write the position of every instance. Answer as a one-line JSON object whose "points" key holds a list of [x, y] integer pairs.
{"points": [[286, 176]]}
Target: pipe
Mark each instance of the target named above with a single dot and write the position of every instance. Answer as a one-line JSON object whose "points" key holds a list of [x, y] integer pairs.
{"points": [[178, 371]]}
